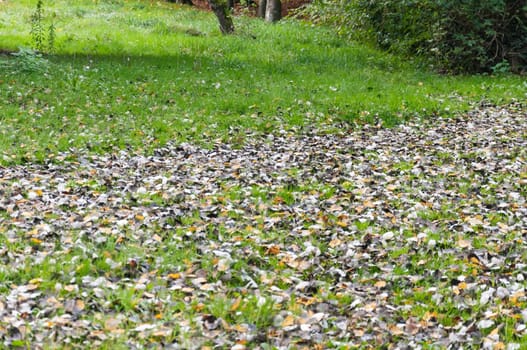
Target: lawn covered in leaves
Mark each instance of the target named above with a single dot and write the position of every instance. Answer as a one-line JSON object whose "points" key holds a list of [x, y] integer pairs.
{"points": [[405, 237], [304, 223]]}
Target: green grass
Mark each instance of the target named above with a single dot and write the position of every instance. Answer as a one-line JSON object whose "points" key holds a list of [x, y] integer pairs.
{"points": [[137, 74]]}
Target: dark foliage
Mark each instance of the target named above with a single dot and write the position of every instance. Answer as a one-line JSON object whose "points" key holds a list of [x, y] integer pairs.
{"points": [[460, 36]]}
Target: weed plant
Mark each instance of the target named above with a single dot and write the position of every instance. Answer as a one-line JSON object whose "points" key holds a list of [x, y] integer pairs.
{"points": [[42, 36]]}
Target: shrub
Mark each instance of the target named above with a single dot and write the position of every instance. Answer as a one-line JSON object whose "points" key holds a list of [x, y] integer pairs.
{"points": [[456, 35], [479, 35]]}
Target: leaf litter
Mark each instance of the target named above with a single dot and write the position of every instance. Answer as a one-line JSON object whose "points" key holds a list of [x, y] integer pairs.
{"points": [[406, 237]]}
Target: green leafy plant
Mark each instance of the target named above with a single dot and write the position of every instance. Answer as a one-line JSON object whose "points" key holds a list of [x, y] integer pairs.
{"points": [[502, 67], [42, 36], [28, 61]]}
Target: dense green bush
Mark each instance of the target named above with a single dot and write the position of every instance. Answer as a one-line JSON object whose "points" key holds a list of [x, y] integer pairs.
{"points": [[456, 35], [478, 35]]}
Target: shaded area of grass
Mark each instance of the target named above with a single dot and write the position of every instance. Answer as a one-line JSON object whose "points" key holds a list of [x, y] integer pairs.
{"points": [[136, 74]]}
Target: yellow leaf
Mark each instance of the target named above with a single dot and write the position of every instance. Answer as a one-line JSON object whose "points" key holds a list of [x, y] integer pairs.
{"points": [[498, 346], [288, 321], [462, 285], [79, 305], [174, 276], [35, 241], [429, 315], [236, 304], [278, 200], [199, 307], [240, 328], [342, 224], [513, 299], [475, 260]]}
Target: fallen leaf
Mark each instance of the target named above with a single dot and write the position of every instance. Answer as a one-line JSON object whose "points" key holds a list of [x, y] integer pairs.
{"points": [[273, 250], [111, 324], [380, 284], [288, 321]]}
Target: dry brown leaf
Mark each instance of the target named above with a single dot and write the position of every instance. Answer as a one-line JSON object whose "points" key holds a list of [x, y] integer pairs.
{"points": [[236, 304], [335, 243], [273, 250], [464, 243], [370, 307], [111, 324], [288, 321], [396, 330], [498, 346], [79, 305], [380, 284], [368, 204], [474, 220]]}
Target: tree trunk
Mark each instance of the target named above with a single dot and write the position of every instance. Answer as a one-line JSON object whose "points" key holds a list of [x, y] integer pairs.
{"points": [[262, 5], [222, 12], [184, 2], [273, 11]]}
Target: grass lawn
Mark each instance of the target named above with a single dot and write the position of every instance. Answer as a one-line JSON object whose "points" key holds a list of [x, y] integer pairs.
{"points": [[140, 73], [164, 186]]}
